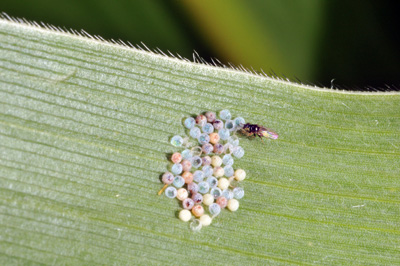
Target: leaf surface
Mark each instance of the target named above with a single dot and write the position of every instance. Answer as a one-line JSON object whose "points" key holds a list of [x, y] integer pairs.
{"points": [[84, 137]]}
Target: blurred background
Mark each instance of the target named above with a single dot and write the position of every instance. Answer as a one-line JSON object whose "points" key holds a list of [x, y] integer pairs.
{"points": [[356, 42]]}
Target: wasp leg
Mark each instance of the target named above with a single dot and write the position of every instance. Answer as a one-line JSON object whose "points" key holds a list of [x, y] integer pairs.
{"points": [[261, 138], [246, 133], [251, 135]]}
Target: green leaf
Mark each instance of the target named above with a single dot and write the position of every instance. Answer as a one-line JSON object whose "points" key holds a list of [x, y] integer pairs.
{"points": [[85, 129]]}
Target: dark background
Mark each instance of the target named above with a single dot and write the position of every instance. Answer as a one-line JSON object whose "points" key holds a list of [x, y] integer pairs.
{"points": [[356, 43]]}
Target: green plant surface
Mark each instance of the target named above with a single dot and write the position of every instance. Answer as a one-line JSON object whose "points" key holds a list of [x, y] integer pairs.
{"points": [[84, 137], [282, 35]]}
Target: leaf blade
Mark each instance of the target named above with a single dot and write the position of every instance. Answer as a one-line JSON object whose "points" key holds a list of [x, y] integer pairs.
{"points": [[85, 130]]}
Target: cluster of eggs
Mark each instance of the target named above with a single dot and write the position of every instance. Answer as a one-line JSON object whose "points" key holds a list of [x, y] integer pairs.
{"points": [[202, 175]]}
